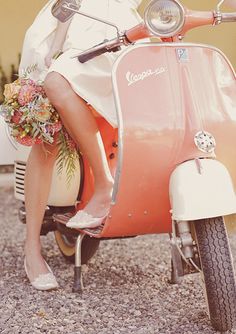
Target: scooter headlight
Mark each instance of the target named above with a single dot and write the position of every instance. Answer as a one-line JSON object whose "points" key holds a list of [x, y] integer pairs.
{"points": [[164, 18]]}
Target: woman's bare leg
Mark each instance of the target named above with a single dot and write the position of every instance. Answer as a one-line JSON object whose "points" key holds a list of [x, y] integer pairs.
{"points": [[37, 186], [80, 122]]}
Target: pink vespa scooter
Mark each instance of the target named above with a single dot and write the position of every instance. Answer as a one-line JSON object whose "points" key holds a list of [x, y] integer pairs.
{"points": [[173, 156], [176, 106]]}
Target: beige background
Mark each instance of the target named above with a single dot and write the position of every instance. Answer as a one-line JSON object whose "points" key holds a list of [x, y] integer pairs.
{"points": [[16, 16]]}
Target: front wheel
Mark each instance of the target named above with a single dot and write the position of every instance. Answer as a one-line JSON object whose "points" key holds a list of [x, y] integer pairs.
{"points": [[218, 272]]}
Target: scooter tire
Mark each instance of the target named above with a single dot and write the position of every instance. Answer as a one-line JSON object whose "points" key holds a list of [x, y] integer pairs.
{"points": [[218, 272], [67, 243]]}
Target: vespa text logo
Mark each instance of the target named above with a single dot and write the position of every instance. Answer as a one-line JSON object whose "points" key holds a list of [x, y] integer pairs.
{"points": [[133, 78]]}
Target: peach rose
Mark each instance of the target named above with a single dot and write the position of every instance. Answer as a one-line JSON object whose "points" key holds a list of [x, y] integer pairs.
{"points": [[43, 115], [11, 90], [43, 112]]}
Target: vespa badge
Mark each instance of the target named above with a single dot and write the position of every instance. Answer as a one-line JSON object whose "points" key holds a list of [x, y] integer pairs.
{"points": [[205, 141]]}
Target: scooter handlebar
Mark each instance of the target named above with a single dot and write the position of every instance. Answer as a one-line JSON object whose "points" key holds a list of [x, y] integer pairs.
{"points": [[113, 45], [90, 54], [228, 17]]}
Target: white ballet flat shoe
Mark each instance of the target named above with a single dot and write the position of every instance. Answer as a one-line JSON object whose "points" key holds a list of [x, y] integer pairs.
{"points": [[45, 281], [83, 220]]}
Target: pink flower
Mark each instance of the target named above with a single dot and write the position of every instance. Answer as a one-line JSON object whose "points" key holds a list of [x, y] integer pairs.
{"points": [[26, 94], [40, 90], [28, 141], [54, 128], [31, 82], [16, 117]]}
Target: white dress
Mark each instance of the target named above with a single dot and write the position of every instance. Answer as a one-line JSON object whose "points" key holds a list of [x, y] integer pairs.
{"points": [[92, 80]]}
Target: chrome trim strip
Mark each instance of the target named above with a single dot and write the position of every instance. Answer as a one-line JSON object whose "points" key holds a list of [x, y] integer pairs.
{"points": [[22, 164], [19, 183], [120, 130], [17, 179], [20, 169], [19, 188], [17, 173]]}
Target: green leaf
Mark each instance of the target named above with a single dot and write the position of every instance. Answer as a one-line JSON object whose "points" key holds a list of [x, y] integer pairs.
{"points": [[66, 157]]}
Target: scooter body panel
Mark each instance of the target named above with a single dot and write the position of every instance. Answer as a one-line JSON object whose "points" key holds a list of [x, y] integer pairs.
{"points": [[165, 94]]}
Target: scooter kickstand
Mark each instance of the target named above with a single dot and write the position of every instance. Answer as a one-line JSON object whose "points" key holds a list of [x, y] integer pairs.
{"points": [[78, 279]]}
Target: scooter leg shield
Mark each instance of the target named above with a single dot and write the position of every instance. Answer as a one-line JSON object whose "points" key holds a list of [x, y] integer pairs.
{"points": [[201, 189]]}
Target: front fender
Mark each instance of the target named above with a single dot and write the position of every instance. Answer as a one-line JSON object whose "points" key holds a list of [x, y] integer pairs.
{"points": [[201, 189]]}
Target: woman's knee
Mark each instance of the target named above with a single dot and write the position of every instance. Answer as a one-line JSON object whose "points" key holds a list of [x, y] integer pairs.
{"points": [[54, 85]]}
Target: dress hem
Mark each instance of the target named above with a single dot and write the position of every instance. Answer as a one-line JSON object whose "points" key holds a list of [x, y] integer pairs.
{"points": [[97, 109]]}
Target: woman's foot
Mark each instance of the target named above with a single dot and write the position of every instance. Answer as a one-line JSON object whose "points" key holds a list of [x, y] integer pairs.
{"points": [[40, 275], [84, 220], [100, 202], [95, 211]]}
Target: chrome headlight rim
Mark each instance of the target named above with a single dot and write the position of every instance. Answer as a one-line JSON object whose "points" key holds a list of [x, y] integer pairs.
{"points": [[164, 35]]}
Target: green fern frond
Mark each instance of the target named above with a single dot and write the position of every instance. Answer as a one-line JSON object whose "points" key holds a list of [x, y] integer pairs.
{"points": [[66, 157]]}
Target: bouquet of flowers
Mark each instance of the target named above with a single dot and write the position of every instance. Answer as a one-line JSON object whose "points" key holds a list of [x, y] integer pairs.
{"points": [[33, 120]]}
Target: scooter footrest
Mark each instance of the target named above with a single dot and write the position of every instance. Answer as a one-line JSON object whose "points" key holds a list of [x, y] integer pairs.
{"points": [[96, 230], [63, 219]]}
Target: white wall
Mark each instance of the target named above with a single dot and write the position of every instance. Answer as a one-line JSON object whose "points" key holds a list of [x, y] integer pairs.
{"points": [[15, 17]]}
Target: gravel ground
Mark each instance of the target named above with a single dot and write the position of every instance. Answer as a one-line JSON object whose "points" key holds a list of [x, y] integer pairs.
{"points": [[126, 288]]}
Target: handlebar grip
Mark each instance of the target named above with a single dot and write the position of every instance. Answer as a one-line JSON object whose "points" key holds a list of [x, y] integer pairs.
{"points": [[228, 17], [86, 56]]}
